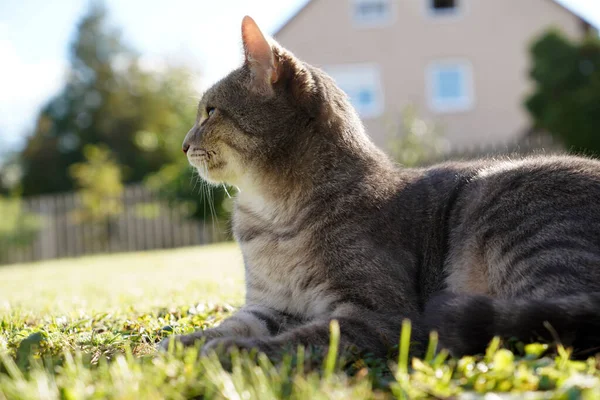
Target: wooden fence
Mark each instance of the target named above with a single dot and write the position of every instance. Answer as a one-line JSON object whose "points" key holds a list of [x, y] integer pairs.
{"points": [[146, 222]]}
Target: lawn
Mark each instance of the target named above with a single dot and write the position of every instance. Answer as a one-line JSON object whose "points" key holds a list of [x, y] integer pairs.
{"points": [[87, 328]]}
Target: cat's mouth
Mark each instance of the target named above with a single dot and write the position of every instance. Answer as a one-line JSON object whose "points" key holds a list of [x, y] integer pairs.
{"points": [[205, 161], [201, 157]]}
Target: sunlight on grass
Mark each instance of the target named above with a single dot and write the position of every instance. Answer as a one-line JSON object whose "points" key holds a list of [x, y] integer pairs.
{"points": [[87, 329], [141, 280]]}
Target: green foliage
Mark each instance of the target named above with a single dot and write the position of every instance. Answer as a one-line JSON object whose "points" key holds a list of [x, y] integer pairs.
{"points": [[10, 175], [566, 100], [18, 227], [114, 97], [417, 142], [141, 112], [90, 333], [101, 187]]}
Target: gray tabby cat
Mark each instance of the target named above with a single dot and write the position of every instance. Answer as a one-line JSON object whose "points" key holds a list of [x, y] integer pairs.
{"points": [[330, 228]]}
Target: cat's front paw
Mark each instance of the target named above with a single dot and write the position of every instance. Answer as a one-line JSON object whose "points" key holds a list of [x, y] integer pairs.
{"points": [[192, 339], [224, 346]]}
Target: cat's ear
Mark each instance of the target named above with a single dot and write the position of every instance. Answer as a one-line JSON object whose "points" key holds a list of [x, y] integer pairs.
{"points": [[259, 56]]}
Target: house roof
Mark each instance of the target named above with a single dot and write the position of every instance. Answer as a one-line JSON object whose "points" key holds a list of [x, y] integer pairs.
{"points": [[581, 17], [292, 17], [310, 2]]}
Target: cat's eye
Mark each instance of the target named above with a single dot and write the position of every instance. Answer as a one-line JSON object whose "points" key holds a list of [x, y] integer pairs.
{"points": [[210, 111]]}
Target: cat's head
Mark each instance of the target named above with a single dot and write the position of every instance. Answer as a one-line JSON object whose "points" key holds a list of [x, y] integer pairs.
{"points": [[274, 116]]}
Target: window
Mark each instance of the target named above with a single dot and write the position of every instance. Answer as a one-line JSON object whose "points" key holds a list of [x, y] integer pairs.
{"points": [[362, 84], [372, 12], [450, 86], [443, 7]]}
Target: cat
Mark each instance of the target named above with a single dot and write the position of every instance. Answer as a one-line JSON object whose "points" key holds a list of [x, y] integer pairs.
{"points": [[331, 229]]}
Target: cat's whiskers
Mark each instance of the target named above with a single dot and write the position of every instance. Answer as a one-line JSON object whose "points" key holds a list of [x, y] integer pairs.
{"points": [[194, 178], [227, 192], [209, 196], [213, 212], [203, 196], [204, 200]]}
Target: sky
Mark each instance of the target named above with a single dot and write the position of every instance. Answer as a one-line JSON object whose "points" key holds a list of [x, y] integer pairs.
{"points": [[35, 36]]}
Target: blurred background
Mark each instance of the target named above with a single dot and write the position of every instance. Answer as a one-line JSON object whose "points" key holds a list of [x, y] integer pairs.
{"points": [[96, 97]]}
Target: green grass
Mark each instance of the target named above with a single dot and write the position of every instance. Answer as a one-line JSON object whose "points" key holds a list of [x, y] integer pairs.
{"points": [[87, 329]]}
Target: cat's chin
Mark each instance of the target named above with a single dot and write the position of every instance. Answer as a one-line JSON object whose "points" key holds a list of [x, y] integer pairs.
{"points": [[210, 178]]}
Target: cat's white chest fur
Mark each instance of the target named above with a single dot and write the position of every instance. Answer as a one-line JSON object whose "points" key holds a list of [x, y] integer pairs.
{"points": [[282, 271]]}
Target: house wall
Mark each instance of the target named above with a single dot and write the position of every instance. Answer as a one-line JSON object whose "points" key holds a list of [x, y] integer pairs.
{"points": [[492, 35]]}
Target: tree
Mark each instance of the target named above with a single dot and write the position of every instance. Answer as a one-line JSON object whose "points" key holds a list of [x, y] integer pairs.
{"points": [[109, 98], [566, 100], [101, 188]]}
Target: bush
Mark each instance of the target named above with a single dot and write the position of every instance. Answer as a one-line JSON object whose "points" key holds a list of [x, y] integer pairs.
{"points": [[101, 188], [566, 101], [18, 228], [417, 141]]}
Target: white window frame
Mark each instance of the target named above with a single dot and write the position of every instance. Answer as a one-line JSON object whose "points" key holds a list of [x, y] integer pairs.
{"points": [[462, 104], [387, 21], [436, 14], [378, 108]]}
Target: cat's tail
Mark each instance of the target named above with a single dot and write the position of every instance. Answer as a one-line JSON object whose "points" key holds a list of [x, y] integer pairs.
{"points": [[466, 324]]}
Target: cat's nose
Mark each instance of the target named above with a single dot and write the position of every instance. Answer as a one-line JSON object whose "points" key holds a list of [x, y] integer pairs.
{"points": [[185, 148]]}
